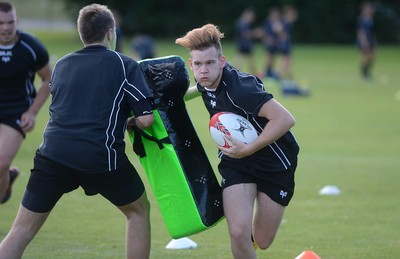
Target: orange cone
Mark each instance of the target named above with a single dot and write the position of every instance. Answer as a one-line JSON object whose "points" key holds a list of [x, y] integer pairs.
{"points": [[308, 255]]}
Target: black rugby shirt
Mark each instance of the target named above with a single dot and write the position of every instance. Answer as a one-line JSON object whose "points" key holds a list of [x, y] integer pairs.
{"points": [[18, 66], [93, 93], [244, 94]]}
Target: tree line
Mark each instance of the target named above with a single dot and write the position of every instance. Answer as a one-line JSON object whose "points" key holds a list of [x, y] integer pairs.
{"points": [[322, 21]]}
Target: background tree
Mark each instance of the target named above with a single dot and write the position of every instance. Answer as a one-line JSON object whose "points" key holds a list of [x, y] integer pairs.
{"points": [[321, 21]]}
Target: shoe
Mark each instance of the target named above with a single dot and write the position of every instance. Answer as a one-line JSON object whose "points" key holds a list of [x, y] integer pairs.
{"points": [[14, 172], [272, 74], [291, 88]]}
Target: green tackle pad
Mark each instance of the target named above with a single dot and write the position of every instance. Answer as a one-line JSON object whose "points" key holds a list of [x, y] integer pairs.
{"points": [[179, 172]]}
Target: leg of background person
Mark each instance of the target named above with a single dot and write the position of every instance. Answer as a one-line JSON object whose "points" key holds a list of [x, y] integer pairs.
{"points": [[270, 72], [238, 203], [364, 60], [252, 64], [238, 60], [288, 86], [10, 142], [270, 63], [286, 67], [370, 62], [26, 225], [137, 228], [367, 60], [267, 219]]}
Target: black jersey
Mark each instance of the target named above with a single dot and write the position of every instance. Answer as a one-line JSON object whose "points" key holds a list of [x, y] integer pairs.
{"points": [[18, 66], [94, 91], [366, 25], [243, 41], [244, 94]]}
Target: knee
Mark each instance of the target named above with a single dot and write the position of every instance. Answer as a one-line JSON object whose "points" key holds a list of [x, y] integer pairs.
{"points": [[140, 207], [263, 242], [238, 235], [4, 166], [146, 206], [264, 245], [4, 176]]}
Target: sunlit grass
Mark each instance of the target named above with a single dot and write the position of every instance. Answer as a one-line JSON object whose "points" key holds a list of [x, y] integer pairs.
{"points": [[348, 131]]}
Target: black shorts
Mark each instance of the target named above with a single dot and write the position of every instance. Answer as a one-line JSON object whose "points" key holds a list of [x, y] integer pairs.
{"points": [[279, 186], [13, 122], [285, 48], [245, 49], [369, 47], [50, 180], [271, 49]]}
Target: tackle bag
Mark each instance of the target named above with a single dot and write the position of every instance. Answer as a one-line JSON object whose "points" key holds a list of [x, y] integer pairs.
{"points": [[179, 172]]}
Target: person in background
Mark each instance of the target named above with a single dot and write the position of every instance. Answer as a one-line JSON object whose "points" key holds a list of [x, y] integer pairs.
{"points": [[143, 47], [22, 56], [83, 142], [289, 16], [366, 39], [257, 177], [273, 28], [119, 45], [244, 37], [287, 82], [277, 38]]}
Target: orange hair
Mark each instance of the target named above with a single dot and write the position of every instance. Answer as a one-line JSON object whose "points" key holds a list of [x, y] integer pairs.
{"points": [[202, 38]]}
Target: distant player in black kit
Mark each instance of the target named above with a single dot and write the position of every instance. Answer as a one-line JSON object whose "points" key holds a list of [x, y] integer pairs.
{"points": [[261, 171], [244, 37], [366, 39], [94, 91], [22, 56]]}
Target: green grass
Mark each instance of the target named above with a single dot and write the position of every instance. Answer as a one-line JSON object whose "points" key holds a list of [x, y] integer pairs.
{"points": [[348, 130]]}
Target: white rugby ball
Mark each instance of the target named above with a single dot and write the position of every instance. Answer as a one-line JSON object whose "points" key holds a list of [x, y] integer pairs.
{"points": [[234, 125]]}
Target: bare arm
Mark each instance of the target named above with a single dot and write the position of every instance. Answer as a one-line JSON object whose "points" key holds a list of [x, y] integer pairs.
{"points": [[280, 122], [142, 122], [28, 118]]}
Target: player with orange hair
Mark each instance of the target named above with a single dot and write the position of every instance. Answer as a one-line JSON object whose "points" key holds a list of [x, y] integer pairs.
{"points": [[259, 173]]}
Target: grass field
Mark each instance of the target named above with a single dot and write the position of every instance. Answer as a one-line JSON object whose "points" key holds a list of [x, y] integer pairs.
{"points": [[348, 130]]}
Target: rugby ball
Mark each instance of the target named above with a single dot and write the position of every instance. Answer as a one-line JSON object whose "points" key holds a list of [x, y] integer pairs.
{"points": [[234, 125]]}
